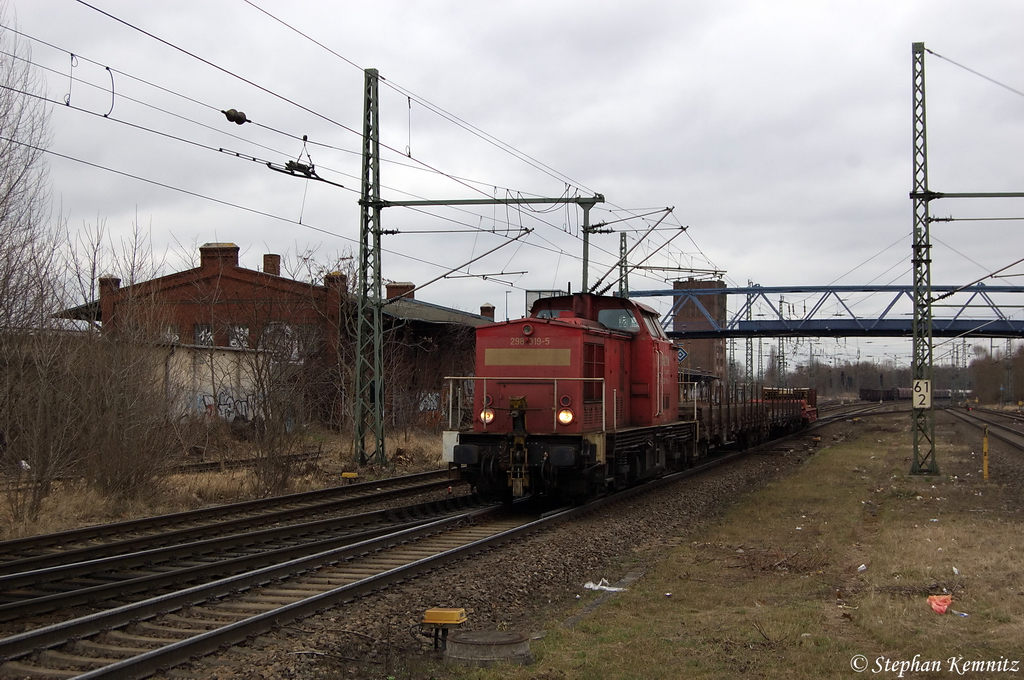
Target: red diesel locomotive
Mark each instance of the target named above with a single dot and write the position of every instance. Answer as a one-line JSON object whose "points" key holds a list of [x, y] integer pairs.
{"points": [[580, 396], [583, 397]]}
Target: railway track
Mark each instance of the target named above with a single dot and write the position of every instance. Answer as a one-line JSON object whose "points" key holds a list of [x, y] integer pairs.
{"points": [[1014, 418], [81, 587], [161, 629], [858, 410], [201, 466], [1006, 427], [120, 537], [139, 638]]}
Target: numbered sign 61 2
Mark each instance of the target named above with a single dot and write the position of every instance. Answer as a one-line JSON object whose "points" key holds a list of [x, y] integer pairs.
{"points": [[922, 394]]}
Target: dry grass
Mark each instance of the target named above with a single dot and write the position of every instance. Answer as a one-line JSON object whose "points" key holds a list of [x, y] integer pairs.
{"points": [[775, 590], [73, 504]]}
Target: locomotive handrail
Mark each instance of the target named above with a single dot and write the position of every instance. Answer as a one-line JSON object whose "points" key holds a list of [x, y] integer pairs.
{"points": [[522, 379]]}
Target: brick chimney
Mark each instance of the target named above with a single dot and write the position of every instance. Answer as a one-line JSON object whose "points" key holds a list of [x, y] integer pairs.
{"points": [[109, 285], [487, 309], [404, 289], [336, 281], [272, 264], [218, 255]]}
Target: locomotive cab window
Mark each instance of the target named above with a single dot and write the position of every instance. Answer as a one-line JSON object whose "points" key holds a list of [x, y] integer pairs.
{"points": [[618, 319], [549, 313], [654, 327]]}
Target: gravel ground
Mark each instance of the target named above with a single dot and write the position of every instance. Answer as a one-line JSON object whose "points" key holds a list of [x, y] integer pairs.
{"points": [[536, 583], [522, 587]]}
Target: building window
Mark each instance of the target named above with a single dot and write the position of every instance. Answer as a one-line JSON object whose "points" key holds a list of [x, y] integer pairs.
{"points": [[280, 338], [202, 334], [238, 337], [172, 333]]}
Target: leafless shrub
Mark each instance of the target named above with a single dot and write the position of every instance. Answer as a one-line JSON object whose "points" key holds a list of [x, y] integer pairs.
{"points": [[39, 423], [124, 439]]}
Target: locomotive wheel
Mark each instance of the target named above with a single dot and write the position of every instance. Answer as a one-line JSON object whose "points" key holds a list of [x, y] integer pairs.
{"points": [[549, 476], [492, 483]]}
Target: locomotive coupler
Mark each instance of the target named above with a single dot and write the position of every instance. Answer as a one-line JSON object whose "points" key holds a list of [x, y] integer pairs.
{"points": [[517, 470]]}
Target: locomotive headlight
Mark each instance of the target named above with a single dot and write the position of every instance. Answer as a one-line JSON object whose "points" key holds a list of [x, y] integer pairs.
{"points": [[566, 416], [487, 416]]}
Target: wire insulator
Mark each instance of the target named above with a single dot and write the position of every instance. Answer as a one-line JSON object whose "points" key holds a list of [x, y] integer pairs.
{"points": [[236, 116]]}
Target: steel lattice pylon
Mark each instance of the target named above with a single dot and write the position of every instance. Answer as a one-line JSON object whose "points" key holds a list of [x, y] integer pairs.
{"points": [[923, 417], [623, 267], [1008, 391], [750, 343], [369, 359]]}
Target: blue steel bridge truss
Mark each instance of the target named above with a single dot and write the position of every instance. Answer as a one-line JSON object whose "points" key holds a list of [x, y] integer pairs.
{"points": [[826, 311]]}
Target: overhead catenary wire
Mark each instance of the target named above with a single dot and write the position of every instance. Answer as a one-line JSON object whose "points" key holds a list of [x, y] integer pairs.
{"points": [[411, 96], [219, 201], [977, 73], [263, 89], [198, 144], [197, 102], [976, 281], [421, 165]]}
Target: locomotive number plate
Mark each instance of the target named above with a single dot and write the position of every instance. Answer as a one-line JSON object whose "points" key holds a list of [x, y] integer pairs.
{"points": [[530, 342]]}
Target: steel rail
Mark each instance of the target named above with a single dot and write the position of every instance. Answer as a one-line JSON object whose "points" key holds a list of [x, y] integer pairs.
{"points": [[250, 511], [1009, 435], [195, 467], [55, 634], [178, 652], [231, 634], [298, 535], [210, 641]]}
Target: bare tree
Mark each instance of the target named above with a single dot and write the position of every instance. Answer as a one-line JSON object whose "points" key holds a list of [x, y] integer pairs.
{"points": [[26, 244], [124, 443], [31, 456]]}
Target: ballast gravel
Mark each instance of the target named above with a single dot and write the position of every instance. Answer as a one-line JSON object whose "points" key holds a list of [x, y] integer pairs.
{"points": [[523, 586]]}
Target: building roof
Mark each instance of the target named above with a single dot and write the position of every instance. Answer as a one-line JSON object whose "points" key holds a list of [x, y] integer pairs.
{"points": [[413, 310], [417, 310], [223, 257]]}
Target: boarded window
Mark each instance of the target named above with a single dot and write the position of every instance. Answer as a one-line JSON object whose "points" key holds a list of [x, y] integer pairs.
{"points": [[593, 367], [202, 334], [238, 337], [281, 339]]}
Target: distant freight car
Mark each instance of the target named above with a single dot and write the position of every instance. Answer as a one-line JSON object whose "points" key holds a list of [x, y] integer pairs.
{"points": [[889, 394], [898, 394]]}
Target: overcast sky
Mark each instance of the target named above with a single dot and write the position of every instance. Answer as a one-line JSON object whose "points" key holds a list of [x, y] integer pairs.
{"points": [[780, 133]]}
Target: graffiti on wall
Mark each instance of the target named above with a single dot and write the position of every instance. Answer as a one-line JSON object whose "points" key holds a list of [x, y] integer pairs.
{"points": [[226, 406]]}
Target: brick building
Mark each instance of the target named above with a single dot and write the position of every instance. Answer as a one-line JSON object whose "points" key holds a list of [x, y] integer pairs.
{"points": [[705, 356], [221, 304], [227, 318]]}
